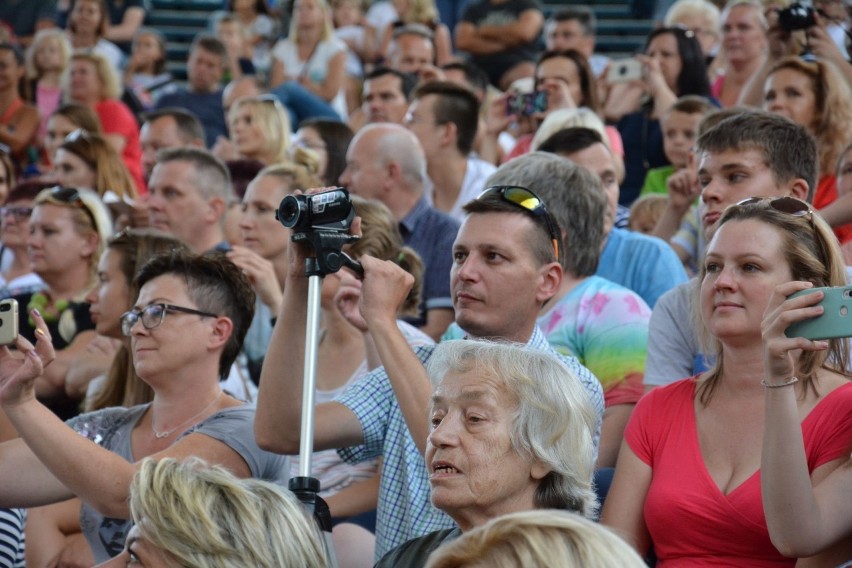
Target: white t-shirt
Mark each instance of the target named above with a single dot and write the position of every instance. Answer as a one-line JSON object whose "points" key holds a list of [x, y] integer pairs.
{"points": [[317, 66]]}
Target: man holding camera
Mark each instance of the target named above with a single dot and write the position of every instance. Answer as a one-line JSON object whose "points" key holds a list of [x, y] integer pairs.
{"points": [[505, 269]]}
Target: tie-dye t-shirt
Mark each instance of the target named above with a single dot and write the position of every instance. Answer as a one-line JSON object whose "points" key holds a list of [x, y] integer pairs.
{"points": [[605, 326]]}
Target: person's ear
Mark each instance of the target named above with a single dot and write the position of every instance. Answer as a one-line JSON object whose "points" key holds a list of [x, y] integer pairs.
{"points": [[450, 134], [222, 327], [799, 189], [216, 208], [539, 470], [549, 281]]}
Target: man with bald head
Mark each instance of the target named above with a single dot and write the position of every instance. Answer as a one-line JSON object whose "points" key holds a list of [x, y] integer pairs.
{"points": [[385, 162]]}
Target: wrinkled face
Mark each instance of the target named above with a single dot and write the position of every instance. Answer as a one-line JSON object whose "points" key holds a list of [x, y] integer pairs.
{"points": [[743, 36], [175, 202], [729, 177], [679, 133], [204, 70], [474, 471], [790, 93], [71, 170], [744, 263], [384, 100], [14, 223], [54, 246], [598, 160], [260, 230], [494, 278], [568, 35], [85, 83], [364, 174], [411, 53], [663, 48], [139, 552], [111, 296], [562, 70], [58, 127]]}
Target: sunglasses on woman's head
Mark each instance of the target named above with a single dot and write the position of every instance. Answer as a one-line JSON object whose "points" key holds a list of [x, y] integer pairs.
{"points": [[788, 205]]}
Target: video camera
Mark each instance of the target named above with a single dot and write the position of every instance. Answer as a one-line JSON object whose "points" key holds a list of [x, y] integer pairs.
{"points": [[796, 17]]}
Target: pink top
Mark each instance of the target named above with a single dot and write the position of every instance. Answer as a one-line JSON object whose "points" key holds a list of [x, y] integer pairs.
{"points": [[116, 118], [690, 521], [47, 101]]}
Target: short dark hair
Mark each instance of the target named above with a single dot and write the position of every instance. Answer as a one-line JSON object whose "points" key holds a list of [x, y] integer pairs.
{"points": [[216, 285], [473, 73], [407, 81], [540, 241], [582, 14], [693, 104], [189, 127], [573, 196], [16, 51], [211, 175], [210, 43], [457, 105], [571, 140], [693, 74], [28, 189], [787, 148], [588, 85]]}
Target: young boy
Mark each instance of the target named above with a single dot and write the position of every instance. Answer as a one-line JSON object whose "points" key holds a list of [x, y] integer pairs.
{"points": [[680, 128]]}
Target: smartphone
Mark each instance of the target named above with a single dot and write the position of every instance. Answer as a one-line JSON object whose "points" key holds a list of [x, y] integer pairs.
{"points": [[8, 321], [836, 318], [526, 104], [624, 70]]}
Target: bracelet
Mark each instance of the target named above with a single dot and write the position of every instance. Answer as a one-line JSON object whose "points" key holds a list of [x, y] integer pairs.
{"points": [[792, 381]]}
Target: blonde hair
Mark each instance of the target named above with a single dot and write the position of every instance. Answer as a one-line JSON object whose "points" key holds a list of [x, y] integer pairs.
{"points": [[42, 37], [204, 517], [755, 4], [550, 538], [271, 118], [300, 172], [554, 422], [813, 254], [561, 119], [703, 9], [420, 12], [833, 113], [381, 238], [106, 74], [327, 30], [650, 207]]}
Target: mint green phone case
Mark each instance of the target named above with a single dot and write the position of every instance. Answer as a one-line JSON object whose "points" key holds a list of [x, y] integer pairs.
{"points": [[836, 319]]}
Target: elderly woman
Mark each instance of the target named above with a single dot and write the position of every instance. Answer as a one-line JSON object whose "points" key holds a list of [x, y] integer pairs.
{"points": [[196, 516], [185, 331], [689, 474], [512, 430], [92, 82], [701, 18]]}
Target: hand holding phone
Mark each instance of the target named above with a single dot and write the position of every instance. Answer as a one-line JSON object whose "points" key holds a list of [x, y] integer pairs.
{"points": [[624, 70], [526, 104], [835, 320], [8, 321]]}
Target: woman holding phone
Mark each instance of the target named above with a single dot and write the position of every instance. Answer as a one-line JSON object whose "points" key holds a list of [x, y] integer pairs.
{"points": [[694, 491]]}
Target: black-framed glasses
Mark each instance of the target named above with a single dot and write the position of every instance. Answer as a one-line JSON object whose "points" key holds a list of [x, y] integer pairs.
{"points": [[529, 201], [153, 315], [16, 212], [788, 205]]}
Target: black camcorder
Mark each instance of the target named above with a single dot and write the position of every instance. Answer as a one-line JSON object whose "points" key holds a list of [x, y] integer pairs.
{"points": [[327, 211], [796, 17]]}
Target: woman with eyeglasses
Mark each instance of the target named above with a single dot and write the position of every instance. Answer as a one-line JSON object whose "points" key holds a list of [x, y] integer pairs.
{"points": [[689, 475], [16, 274], [185, 330], [88, 160], [673, 66], [68, 229]]}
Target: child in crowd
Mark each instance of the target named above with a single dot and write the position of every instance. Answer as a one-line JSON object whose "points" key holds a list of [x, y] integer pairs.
{"points": [[146, 70], [679, 125], [47, 58], [230, 31], [645, 212], [258, 28]]}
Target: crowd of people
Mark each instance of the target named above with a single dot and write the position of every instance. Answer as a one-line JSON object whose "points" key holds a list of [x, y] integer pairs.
{"points": [[572, 337]]}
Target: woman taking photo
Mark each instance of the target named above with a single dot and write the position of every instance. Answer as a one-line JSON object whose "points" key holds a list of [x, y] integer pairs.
{"points": [[93, 83], [88, 160], [185, 330], [694, 491], [673, 67]]}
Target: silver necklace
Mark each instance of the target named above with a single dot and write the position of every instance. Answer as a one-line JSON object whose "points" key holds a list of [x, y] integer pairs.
{"points": [[166, 434]]}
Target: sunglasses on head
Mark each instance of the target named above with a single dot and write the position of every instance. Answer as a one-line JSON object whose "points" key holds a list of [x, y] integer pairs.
{"points": [[71, 196], [529, 201], [75, 135], [788, 205]]}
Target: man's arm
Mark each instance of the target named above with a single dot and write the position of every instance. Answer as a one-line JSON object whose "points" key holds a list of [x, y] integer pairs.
{"points": [[523, 30], [277, 423], [470, 40], [130, 24]]}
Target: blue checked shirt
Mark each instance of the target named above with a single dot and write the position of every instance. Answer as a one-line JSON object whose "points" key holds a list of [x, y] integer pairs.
{"points": [[405, 510]]}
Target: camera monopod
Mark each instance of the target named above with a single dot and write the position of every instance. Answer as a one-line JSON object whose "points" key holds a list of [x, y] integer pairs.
{"points": [[321, 221]]}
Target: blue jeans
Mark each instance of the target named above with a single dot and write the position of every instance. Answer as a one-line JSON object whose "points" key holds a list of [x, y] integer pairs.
{"points": [[301, 104]]}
